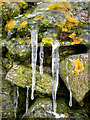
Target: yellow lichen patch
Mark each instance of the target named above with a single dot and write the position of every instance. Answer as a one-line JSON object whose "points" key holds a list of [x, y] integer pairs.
{"points": [[78, 66], [17, 50], [63, 43], [70, 19], [60, 6], [1, 3], [64, 29], [10, 65], [59, 24], [9, 25], [54, 6], [72, 35], [70, 22], [21, 41], [54, 34], [66, 115], [38, 17], [21, 3], [76, 40], [47, 40], [22, 25]]}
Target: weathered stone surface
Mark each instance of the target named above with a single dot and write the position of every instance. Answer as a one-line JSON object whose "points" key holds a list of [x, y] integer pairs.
{"points": [[12, 9], [85, 36], [22, 76], [63, 38], [7, 107], [78, 77], [42, 108], [6, 66], [49, 18], [19, 48]]}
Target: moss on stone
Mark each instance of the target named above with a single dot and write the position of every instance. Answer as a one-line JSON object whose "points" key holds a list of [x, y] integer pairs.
{"points": [[22, 76], [78, 82]]}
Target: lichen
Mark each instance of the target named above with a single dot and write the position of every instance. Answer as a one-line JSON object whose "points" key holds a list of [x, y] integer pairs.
{"points": [[76, 40], [60, 6], [22, 76], [10, 25], [22, 25], [47, 40], [78, 82], [38, 17], [78, 66]]}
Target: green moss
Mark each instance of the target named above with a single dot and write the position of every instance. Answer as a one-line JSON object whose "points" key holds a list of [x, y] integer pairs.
{"points": [[22, 76]]}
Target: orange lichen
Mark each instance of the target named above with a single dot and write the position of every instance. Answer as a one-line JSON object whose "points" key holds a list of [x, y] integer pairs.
{"points": [[64, 29], [76, 40], [72, 35], [60, 6], [9, 25], [22, 25], [1, 3], [21, 3], [70, 22], [78, 66]]}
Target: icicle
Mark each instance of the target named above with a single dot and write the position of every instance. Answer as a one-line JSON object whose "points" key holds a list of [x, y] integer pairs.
{"points": [[16, 95], [54, 105], [55, 71], [8, 35], [41, 58], [34, 46], [17, 91], [70, 101], [15, 101], [27, 99]]}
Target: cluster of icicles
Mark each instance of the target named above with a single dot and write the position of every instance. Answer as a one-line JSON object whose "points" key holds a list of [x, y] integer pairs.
{"points": [[55, 71]]}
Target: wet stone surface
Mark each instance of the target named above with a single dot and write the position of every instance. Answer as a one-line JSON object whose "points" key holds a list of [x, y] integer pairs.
{"points": [[77, 72], [42, 108]]}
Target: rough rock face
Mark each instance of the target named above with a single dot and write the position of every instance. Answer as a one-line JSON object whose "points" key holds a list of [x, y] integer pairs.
{"points": [[22, 76], [19, 48], [42, 108], [76, 68], [7, 107], [10, 10], [52, 22]]}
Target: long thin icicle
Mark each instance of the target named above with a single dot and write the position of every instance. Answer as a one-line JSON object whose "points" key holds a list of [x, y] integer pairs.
{"points": [[67, 78], [15, 100], [27, 99], [41, 57], [55, 71], [17, 91], [34, 46]]}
